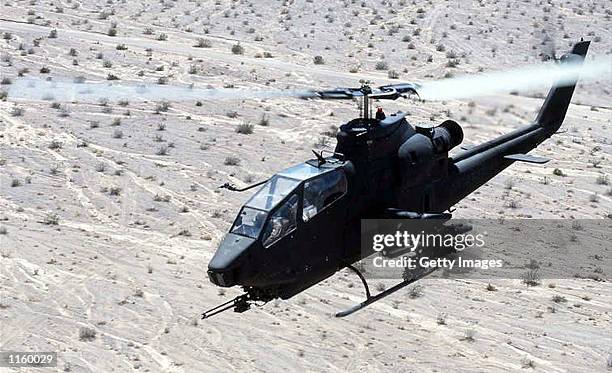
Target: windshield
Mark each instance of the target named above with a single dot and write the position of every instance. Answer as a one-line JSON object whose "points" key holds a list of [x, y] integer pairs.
{"points": [[272, 193], [249, 222]]}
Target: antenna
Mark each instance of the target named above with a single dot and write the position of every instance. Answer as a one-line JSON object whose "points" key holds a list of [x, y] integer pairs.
{"points": [[320, 159]]}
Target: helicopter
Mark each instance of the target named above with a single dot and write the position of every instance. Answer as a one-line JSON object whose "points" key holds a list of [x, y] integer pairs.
{"points": [[303, 224]]}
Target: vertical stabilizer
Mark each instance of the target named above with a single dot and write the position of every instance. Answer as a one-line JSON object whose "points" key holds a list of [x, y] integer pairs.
{"points": [[555, 106]]}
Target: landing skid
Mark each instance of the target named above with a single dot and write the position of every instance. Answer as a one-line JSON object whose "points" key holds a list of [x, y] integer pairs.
{"points": [[373, 298]]}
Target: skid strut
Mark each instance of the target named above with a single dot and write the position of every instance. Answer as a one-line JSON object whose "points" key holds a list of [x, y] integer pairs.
{"points": [[373, 298]]}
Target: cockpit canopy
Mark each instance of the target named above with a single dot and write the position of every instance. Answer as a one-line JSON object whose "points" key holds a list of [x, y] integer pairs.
{"points": [[299, 192]]}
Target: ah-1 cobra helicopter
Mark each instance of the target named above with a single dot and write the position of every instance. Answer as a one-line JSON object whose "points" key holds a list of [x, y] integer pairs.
{"points": [[302, 225]]}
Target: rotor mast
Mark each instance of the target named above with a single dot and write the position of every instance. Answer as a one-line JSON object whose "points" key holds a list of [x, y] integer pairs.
{"points": [[366, 90]]}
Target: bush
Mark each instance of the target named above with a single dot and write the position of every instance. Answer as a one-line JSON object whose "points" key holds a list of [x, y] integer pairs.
{"points": [[603, 180], [162, 107], [159, 198], [441, 319], [87, 334], [415, 292], [163, 150], [469, 335], [452, 63], [114, 191], [558, 172], [451, 55], [531, 277], [51, 219], [318, 60], [17, 111], [264, 121], [203, 43], [559, 299], [237, 49], [393, 74], [381, 65], [245, 128], [55, 144], [527, 363], [231, 161]]}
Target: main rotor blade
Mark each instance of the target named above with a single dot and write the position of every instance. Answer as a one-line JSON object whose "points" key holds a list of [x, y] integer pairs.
{"points": [[521, 79], [84, 91], [468, 86]]}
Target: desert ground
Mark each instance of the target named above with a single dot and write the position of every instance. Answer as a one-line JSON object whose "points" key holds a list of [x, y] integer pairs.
{"points": [[110, 210]]}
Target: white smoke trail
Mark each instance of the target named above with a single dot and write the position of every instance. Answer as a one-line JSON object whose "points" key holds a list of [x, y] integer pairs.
{"points": [[82, 91], [521, 79]]}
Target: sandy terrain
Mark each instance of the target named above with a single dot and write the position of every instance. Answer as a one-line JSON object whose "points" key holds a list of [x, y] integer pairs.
{"points": [[109, 213]]}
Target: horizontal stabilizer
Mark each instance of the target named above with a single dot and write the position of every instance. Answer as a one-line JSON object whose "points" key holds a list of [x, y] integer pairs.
{"points": [[393, 213], [526, 158]]}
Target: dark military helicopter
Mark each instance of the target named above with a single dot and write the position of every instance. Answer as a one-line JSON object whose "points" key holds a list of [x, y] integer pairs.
{"points": [[303, 224]]}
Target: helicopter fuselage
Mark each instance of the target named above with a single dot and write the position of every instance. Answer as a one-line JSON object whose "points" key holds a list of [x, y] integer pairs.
{"points": [[388, 166], [304, 224]]}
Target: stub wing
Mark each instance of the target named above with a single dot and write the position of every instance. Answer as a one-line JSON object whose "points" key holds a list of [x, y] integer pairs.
{"points": [[526, 158]]}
